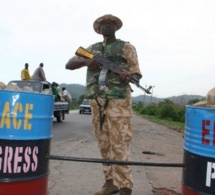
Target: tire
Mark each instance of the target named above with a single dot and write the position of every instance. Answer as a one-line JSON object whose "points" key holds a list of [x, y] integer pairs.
{"points": [[80, 112], [63, 115], [60, 116]]}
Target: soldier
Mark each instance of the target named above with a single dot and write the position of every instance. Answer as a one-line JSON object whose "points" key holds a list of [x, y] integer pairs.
{"points": [[111, 106]]}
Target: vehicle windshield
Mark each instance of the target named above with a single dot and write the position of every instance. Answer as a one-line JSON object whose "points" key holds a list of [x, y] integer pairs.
{"points": [[35, 86], [86, 102]]}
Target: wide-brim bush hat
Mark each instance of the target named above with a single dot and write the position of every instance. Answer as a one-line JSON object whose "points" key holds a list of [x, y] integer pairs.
{"points": [[96, 24]]}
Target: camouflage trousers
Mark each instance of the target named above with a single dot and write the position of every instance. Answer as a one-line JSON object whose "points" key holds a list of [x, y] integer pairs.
{"points": [[113, 142]]}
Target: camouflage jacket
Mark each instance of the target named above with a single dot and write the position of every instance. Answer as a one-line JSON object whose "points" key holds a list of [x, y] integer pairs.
{"points": [[115, 87], [120, 106]]}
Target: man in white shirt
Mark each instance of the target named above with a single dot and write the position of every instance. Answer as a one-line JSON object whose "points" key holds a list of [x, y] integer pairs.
{"points": [[66, 96]]}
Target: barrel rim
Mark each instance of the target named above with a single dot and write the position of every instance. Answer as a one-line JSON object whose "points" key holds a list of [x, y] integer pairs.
{"points": [[200, 108], [24, 92], [8, 180]]}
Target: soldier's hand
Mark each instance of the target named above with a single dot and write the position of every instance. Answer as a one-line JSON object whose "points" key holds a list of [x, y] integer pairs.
{"points": [[92, 64], [125, 76]]}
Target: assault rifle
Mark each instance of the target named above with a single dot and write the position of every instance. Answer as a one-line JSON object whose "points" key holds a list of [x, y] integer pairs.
{"points": [[106, 66]]}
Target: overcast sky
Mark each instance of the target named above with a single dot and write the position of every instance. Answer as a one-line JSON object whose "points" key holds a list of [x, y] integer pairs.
{"points": [[175, 40]]}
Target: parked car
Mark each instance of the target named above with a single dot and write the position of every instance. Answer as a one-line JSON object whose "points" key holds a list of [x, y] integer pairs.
{"points": [[85, 107]]}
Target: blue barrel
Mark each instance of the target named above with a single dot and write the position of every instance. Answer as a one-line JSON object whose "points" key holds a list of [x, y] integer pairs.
{"points": [[26, 120], [199, 152]]}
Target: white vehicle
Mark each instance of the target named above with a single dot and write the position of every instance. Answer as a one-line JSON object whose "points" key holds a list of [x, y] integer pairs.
{"points": [[85, 107]]}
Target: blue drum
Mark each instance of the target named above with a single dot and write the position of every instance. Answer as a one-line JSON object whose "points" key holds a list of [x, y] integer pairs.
{"points": [[26, 120], [199, 152]]}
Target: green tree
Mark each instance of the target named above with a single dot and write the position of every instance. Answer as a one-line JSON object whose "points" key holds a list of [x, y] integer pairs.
{"points": [[181, 114], [74, 105], [167, 112], [81, 99]]}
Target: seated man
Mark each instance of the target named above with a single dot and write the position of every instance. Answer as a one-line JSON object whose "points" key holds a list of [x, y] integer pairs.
{"points": [[66, 96]]}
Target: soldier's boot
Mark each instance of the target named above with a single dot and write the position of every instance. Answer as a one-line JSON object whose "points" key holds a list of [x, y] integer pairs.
{"points": [[107, 188], [125, 191]]}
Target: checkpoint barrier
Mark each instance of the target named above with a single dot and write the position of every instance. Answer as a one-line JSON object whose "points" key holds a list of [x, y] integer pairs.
{"points": [[25, 132], [26, 120], [199, 152]]}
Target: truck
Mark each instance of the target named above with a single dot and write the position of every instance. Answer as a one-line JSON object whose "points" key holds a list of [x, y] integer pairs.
{"points": [[60, 108]]}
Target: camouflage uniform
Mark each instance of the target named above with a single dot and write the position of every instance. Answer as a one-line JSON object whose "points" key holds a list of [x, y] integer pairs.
{"points": [[116, 132]]}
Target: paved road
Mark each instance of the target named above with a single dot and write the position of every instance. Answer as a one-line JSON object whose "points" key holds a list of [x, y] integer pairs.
{"points": [[73, 137]]}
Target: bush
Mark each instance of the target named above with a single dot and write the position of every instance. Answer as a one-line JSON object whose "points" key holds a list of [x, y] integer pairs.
{"points": [[74, 104], [181, 115], [164, 110], [143, 110], [149, 110], [167, 112], [138, 107]]}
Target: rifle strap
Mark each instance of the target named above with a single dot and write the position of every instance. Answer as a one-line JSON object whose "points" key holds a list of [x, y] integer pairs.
{"points": [[101, 111], [102, 75], [102, 79]]}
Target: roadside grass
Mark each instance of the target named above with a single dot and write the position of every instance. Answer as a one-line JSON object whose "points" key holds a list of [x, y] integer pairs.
{"points": [[178, 126]]}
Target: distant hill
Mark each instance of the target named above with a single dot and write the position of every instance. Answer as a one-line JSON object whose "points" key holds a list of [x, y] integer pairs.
{"points": [[76, 90]]}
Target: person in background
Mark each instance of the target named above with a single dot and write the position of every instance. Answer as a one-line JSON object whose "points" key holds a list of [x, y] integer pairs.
{"points": [[39, 73], [55, 92], [66, 95], [112, 105], [25, 73], [59, 90]]}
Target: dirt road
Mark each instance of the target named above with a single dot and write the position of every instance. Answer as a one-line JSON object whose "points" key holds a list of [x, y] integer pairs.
{"points": [[155, 143], [151, 143]]}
